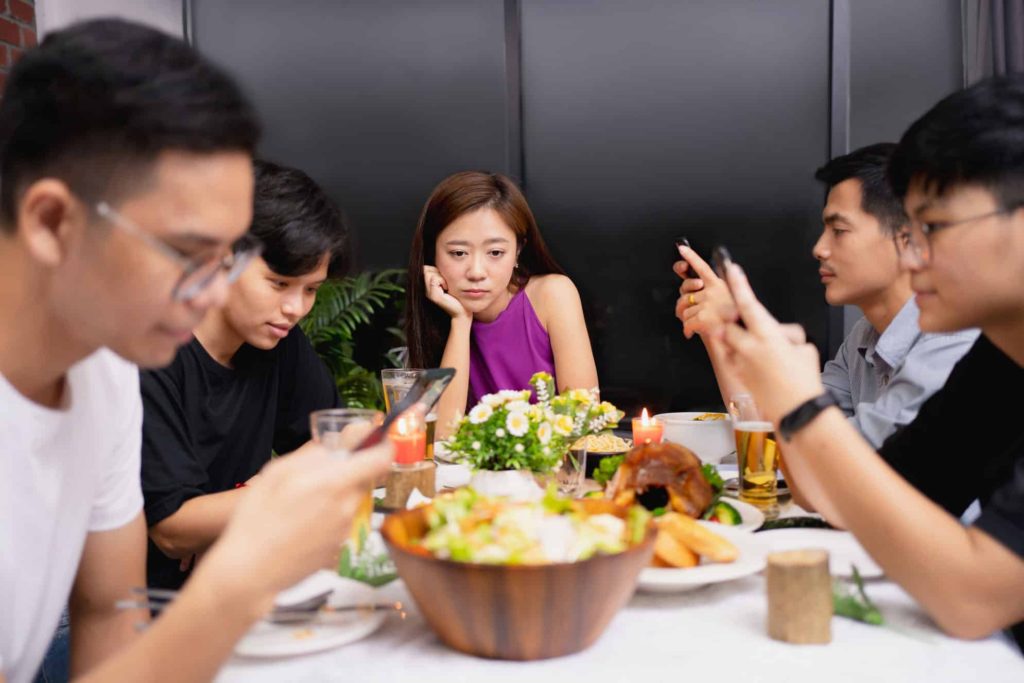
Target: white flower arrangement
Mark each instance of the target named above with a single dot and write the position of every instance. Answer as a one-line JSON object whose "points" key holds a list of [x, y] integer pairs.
{"points": [[504, 431]]}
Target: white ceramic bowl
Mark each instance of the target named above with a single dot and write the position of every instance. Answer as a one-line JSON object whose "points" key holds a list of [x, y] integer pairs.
{"points": [[711, 440]]}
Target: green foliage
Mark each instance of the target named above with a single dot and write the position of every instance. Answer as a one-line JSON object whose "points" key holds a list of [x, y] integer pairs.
{"points": [[343, 307], [606, 469]]}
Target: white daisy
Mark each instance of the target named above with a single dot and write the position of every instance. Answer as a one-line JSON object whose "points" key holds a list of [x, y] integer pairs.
{"points": [[499, 432], [518, 424], [544, 432], [480, 413], [517, 406], [519, 448]]}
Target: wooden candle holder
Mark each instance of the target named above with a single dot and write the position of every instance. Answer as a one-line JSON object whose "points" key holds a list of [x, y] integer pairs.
{"points": [[799, 597], [402, 479]]}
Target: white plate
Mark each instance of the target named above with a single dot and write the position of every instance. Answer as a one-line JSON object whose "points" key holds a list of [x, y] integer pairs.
{"points": [[843, 549], [281, 640], [750, 561], [751, 517]]}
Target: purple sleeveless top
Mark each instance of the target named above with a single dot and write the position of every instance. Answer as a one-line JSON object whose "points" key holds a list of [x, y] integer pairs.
{"points": [[505, 353]]}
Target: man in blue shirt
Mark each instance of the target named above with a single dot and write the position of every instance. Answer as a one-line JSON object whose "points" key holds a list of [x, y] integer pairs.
{"points": [[886, 367]]}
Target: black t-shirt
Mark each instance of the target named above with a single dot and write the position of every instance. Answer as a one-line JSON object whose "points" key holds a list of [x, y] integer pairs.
{"points": [[967, 443], [207, 428]]}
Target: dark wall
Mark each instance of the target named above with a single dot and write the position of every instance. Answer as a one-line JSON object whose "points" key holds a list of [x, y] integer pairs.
{"points": [[905, 57], [375, 100], [627, 122], [697, 118]]}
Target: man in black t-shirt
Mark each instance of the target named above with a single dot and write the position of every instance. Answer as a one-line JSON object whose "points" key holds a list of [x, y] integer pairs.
{"points": [[960, 171], [246, 384]]}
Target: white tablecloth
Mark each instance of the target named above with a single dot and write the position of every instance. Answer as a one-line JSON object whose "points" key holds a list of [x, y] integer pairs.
{"points": [[715, 631], [718, 630]]}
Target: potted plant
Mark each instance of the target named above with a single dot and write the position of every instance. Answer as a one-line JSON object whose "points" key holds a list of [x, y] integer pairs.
{"points": [[506, 440]]}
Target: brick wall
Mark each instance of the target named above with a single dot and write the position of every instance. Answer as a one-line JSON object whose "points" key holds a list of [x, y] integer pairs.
{"points": [[17, 33]]}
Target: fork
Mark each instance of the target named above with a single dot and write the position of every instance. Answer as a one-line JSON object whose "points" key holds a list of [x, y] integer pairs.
{"points": [[314, 607]]}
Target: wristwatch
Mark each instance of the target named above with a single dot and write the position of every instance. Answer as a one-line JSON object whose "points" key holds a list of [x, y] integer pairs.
{"points": [[795, 419]]}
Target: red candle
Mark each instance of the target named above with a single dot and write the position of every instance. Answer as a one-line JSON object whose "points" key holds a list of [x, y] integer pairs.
{"points": [[409, 437], [647, 429]]}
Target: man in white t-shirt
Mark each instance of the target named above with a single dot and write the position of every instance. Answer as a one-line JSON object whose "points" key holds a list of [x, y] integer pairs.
{"points": [[127, 190]]}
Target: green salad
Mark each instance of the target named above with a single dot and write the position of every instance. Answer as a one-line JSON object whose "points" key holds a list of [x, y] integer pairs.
{"points": [[467, 527]]}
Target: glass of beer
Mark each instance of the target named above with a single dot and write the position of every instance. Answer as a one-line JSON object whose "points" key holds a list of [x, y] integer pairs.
{"points": [[336, 429], [397, 383], [757, 456]]}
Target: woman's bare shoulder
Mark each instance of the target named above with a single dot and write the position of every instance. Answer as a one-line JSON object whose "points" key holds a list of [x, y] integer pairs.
{"points": [[552, 294]]}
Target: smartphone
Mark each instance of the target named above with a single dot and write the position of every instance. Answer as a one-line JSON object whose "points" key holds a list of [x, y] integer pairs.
{"points": [[683, 242], [426, 391]]}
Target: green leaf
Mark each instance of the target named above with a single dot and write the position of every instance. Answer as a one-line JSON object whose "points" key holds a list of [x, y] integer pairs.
{"points": [[342, 307], [855, 606]]}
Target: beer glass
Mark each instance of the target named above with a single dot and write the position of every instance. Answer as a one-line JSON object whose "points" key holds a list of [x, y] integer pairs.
{"points": [[757, 456], [334, 429]]}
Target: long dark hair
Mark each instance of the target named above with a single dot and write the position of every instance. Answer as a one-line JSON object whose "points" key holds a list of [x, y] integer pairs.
{"points": [[426, 325]]}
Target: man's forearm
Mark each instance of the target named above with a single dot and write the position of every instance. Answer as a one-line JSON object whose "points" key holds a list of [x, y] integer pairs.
{"points": [[946, 567], [190, 641], [196, 524], [96, 634]]}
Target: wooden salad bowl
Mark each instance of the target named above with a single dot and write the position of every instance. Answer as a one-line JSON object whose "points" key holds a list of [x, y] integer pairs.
{"points": [[516, 612]]}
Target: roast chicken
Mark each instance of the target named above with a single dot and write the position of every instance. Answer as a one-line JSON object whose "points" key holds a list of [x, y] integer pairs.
{"points": [[662, 475]]}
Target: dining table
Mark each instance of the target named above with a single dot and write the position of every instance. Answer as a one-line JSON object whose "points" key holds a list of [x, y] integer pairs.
{"points": [[717, 632]]}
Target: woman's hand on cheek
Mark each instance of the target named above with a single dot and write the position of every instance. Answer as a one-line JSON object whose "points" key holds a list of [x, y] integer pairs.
{"points": [[772, 360], [437, 291]]}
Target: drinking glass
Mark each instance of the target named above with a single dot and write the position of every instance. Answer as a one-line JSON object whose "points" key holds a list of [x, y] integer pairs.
{"points": [[756, 456], [569, 475], [397, 383], [335, 429]]}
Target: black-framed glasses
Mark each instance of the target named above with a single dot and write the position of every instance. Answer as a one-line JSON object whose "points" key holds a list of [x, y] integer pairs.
{"points": [[915, 239], [198, 273]]}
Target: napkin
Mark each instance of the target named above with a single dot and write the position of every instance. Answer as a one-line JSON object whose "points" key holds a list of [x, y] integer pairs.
{"points": [[416, 499]]}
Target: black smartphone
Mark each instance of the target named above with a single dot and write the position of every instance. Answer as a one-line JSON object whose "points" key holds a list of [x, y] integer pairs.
{"points": [[427, 390], [683, 242]]}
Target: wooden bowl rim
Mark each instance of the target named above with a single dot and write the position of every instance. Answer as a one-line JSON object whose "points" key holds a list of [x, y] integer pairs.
{"points": [[648, 539]]}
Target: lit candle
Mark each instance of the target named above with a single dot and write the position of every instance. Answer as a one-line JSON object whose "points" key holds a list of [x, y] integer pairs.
{"points": [[647, 429], [409, 437]]}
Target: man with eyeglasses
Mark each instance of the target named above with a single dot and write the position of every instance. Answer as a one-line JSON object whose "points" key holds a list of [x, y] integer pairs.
{"points": [[127, 184], [246, 384], [886, 368], [960, 171]]}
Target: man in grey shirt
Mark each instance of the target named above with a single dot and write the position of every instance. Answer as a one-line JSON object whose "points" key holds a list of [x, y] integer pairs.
{"points": [[886, 367]]}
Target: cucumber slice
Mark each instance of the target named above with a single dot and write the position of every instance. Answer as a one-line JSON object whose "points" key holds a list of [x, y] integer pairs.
{"points": [[723, 513]]}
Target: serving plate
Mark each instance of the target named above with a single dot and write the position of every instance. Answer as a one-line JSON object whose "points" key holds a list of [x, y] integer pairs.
{"points": [[287, 640], [751, 517], [751, 560]]}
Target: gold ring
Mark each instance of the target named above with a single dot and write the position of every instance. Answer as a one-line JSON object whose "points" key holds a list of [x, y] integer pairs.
{"points": [[692, 300]]}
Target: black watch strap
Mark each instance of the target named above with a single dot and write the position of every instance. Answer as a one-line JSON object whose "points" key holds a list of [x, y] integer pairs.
{"points": [[795, 420]]}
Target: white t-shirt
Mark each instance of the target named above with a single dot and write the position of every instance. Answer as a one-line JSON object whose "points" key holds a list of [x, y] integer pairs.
{"points": [[63, 473]]}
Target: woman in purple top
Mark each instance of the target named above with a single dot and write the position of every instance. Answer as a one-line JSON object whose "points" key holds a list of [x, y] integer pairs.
{"points": [[486, 298]]}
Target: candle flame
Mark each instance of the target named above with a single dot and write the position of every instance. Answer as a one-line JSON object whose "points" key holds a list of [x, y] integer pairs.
{"points": [[401, 427], [644, 419]]}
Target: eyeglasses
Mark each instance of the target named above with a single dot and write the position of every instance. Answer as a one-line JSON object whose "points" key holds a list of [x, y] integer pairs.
{"points": [[198, 273], [915, 240]]}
